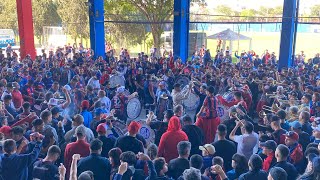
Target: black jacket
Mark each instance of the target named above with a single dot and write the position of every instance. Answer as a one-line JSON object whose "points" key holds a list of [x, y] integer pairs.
{"points": [[100, 166]]}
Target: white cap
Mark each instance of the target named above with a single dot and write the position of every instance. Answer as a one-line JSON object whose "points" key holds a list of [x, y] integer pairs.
{"points": [[53, 102]]}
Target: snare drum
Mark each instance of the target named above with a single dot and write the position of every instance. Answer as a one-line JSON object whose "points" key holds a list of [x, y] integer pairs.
{"points": [[228, 96], [146, 132]]}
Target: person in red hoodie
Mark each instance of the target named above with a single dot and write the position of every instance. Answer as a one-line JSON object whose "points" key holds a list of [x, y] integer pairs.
{"points": [[170, 139]]}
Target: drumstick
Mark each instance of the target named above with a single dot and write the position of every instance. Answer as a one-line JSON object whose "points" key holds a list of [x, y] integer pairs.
{"points": [[238, 119]]}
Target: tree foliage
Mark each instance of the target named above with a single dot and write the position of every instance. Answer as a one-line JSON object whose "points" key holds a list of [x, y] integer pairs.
{"points": [[74, 17], [130, 34], [45, 14], [8, 15], [315, 10]]}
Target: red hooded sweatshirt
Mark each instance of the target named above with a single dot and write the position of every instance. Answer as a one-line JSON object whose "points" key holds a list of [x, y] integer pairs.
{"points": [[170, 139]]}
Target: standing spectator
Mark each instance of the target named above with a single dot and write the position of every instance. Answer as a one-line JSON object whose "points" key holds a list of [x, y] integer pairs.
{"points": [[46, 168], [194, 133], [208, 152], [178, 165], [192, 174], [239, 165], [278, 133], [107, 142], [15, 166], [277, 173], [77, 121], [304, 119], [100, 166], [79, 147], [87, 116], [248, 141], [105, 101], [130, 142], [157, 169], [268, 149], [304, 138], [255, 169], [170, 139], [314, 171], [296, 154], [132, 173], [48, 130], [282, 153], [224, 148], [114, 158]]}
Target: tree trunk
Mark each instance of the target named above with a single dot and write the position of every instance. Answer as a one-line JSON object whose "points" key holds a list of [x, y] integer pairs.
{"points": [[156, 34]]}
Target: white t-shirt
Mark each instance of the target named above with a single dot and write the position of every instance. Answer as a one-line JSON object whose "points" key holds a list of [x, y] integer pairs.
{"points": [[94, 83], [105, 103], [247, 144]]}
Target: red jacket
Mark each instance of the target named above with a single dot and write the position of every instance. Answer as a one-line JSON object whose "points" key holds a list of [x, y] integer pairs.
{"points": [[79, 147], [170, 139]]}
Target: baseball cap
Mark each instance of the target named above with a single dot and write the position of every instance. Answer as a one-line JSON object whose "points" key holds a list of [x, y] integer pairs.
{"points": [[209, 148], [85, 104], [101, 128], [270, 144], [120, 89], [5, 130], [295, 125], [53, 102], [162, 83], [133, 127], [55, 110], [293, 135]]}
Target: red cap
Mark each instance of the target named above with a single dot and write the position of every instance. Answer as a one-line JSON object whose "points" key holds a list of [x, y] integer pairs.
{"points": [[101, 128], [85, 104], [134, 127], [5, 130], [293, 135]]}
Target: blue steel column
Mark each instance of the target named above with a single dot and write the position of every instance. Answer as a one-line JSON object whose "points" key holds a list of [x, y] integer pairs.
{"points": [[97, 36], [181, 29], [287, 33]]}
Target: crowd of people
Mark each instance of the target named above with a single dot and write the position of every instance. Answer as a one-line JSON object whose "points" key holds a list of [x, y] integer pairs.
{"points": [[61, 118]]}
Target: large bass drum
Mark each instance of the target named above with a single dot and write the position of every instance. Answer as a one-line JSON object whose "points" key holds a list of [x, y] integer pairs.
{"points": [[183, 80], [146, 132], [192, 102], [134, 108], [223, 112], [116, 80]]}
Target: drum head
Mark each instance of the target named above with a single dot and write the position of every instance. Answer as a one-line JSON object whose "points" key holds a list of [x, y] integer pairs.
{"points": [[223, 112], [228, 96], [116, 80], [134, 108], [183, 81], [192, 102], [146, 132], [119, 127]]}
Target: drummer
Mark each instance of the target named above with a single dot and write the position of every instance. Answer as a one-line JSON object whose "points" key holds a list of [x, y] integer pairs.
{"points": [[119, 103], [178, 96]]}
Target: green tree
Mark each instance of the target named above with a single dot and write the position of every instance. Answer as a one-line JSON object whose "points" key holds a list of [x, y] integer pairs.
{"points": [[121, 33], [315, 10], [248, 14], [8, 15], [74, 17], [45, 14]]}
